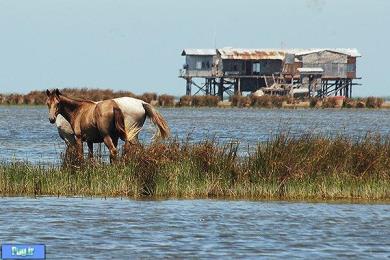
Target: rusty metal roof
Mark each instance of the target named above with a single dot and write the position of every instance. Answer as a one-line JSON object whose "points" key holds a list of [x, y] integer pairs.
{"points": [[264, 54], [349, 52], [199, 52], [252, 54]]}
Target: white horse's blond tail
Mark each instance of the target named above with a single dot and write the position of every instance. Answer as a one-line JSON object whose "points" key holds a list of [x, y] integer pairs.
{"points": [[158, 120], [132, 131]]}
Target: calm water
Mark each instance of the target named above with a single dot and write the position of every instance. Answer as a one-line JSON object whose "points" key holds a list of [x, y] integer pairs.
{"points": [[74, 228], [26, 134], [121, 229]]}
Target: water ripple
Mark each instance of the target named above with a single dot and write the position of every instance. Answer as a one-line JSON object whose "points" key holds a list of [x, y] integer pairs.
{"points": [[118, 229]]}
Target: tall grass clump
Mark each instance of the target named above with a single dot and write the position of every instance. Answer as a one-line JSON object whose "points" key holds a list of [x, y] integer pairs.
{"points": [[374, 102], [148, 97], [185, 101], [166, 100], [268, 101], [205, 101], [350, 103], [306, 167], [240, 101], [329, 102], [262, 101], [93, 93], [315, 102]]}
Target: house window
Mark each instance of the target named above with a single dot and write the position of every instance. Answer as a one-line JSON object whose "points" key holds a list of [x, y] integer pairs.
{"points": [[335, 69], [198, 65], [256, 68], [351, 67]]}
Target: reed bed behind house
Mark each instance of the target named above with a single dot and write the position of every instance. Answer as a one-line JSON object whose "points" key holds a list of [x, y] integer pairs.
{"points": [[308, 167]]}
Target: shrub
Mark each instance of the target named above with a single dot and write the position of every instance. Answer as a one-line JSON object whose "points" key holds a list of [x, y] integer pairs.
{"points": [[212, 101], [95, 94], [148, 97], [360, 103], [373, 102], [379, 102], [313, 101], [166, 100], [277, 101], [329, 102], [240, 101], [349, 103], [262, 101], [185, 101], [201, 101]]}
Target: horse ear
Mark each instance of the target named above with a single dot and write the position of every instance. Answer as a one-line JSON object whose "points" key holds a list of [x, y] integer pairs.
{"points": [[58, 92], [48, 92]]}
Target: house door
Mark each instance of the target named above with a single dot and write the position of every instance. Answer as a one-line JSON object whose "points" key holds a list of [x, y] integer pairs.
{"points": [[248, 68]]}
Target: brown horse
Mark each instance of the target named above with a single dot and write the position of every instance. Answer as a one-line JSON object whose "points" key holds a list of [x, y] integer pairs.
{"points": [[104, 121]]}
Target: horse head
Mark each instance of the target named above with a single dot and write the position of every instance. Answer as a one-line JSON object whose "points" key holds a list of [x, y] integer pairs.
{"points": [[52, 102]]}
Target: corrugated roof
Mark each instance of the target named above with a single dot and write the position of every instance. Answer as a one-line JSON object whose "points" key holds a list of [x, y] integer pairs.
{"points": [[259, 54], [252, 54], [350, 52], [200, 52]]}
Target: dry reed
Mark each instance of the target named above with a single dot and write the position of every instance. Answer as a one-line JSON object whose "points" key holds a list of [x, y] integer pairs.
{"points": [[39, 98], [166, 100], [308, 167]]}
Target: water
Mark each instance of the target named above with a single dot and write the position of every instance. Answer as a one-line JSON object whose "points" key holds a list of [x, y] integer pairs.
{"points": [[74, 228], [26, 134]]}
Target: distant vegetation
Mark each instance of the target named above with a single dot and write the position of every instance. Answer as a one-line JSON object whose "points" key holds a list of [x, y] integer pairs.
{"points": [[309, 167], [39, 98]]}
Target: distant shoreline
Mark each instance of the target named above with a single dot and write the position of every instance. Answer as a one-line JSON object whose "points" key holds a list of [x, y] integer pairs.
{"points": [[36, 98], [227, 105]]}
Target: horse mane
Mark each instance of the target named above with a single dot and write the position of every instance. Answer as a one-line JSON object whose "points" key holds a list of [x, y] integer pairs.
{"points": [[79, 99]]}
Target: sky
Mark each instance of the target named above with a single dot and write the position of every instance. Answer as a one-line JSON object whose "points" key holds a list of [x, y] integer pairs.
{"points": [[136, 45]]}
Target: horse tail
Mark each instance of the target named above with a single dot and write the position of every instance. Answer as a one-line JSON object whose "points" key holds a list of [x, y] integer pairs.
{"points": [[120, 123], [158, 120]]}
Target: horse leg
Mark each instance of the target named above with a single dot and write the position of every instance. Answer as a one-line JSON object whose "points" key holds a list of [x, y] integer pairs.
{"points": [[115, 141], [90, 150], [111, 147], [79, 148]]}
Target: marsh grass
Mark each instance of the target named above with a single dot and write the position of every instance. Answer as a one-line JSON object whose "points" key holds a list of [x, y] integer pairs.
{"points": [[308, 167], [164, 100]]}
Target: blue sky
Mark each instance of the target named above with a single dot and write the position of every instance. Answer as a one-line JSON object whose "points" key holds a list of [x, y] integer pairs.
{"points": [[136, 45]]}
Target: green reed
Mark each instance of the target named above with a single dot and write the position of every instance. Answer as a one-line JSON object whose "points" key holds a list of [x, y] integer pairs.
{"points": [[307, 167]]}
